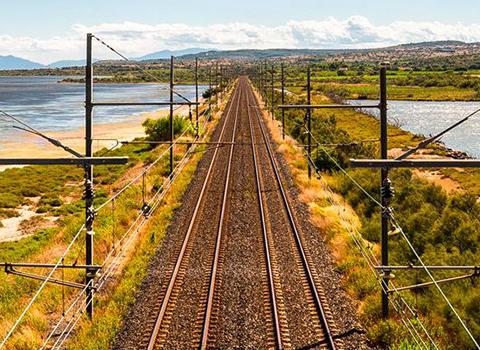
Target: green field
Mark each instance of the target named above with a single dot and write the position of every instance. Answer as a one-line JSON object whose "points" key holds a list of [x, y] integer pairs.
{"points": [[352, 82], [411, 93]]}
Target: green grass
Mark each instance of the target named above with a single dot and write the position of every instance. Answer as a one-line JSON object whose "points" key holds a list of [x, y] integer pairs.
{"points": [[365, 127], [468, 179], [360, 83], [411, 93], [52, 183], [358, 126]]}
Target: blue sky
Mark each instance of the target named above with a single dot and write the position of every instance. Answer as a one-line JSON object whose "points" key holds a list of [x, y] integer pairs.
{"points": [[49, 17], [52, 29]]}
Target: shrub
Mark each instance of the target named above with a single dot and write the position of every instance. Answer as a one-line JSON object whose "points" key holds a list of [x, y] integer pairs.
{"points": [[43, 209], [30, 192], [385, 333], [9, 200], [208, 93], [51, 201], [159, 129]]}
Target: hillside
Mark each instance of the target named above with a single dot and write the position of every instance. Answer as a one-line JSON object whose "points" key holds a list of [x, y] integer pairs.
{"points": [[165, 54], [67, 63], [440, 54], [267, 53], [12, 62]]}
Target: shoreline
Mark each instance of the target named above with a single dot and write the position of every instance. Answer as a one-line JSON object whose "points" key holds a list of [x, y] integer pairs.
{"points": [[112, 81], [451, 151], [29, 145]]}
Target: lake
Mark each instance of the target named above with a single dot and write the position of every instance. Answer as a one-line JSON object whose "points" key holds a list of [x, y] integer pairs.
{"points": [[428, 118], [46, 104]]}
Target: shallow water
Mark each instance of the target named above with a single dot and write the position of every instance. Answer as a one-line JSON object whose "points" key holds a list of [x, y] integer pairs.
{"points": [[427, 118], [48, 105]]}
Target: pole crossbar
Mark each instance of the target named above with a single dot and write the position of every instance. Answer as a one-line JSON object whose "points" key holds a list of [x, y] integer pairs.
{"points": [[161, 103], [326, 106], [434, 267], [12, 271], [427, 284], [414, 163], [65, 161], [39, 265]]}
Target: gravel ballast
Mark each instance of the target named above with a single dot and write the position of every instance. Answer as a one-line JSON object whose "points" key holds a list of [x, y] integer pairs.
{"points": [[241, 316]]}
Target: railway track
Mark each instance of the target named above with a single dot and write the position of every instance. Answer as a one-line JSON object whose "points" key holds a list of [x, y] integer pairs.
{"points": [[163, 318], [279, 329], [314, 296], [193, 306]]}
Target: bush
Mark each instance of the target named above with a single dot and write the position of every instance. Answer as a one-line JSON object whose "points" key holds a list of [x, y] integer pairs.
{"points": [[50, 201], [159, 129], [43, 209], [208, 93], [9, 200], [386, 333], [30, 192]]}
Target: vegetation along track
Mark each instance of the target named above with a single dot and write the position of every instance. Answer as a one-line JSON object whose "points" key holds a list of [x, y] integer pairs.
{"points": [[236, 273]]}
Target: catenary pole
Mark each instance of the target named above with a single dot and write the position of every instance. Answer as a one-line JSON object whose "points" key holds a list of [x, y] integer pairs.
{"points": [[196, 97], [384, 179], [283, 99], [172, 136], [273, 91], [89, 194], [309, 124]]}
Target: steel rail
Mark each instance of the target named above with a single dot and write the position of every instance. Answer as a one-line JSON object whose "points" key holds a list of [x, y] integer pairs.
{"points": [[271, 283], [318, 303], [173, 278], [218, 242]]}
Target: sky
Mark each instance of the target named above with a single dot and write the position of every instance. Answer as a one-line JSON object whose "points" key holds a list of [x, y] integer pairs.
{"points": [[50, 30]]}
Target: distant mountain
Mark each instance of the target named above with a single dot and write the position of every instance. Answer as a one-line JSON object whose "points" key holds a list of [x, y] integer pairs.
{"points": [[267, 53], [12, 62], [164, 54], [67, 63], [425, 44], [446, 45], [17, 63], [70, 63]]}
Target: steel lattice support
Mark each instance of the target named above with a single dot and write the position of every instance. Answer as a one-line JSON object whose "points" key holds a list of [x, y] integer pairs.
{"points": [[383, 179]]}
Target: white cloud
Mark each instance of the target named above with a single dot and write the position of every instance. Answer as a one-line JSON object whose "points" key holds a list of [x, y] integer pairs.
{"points": [[136, 39]]}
